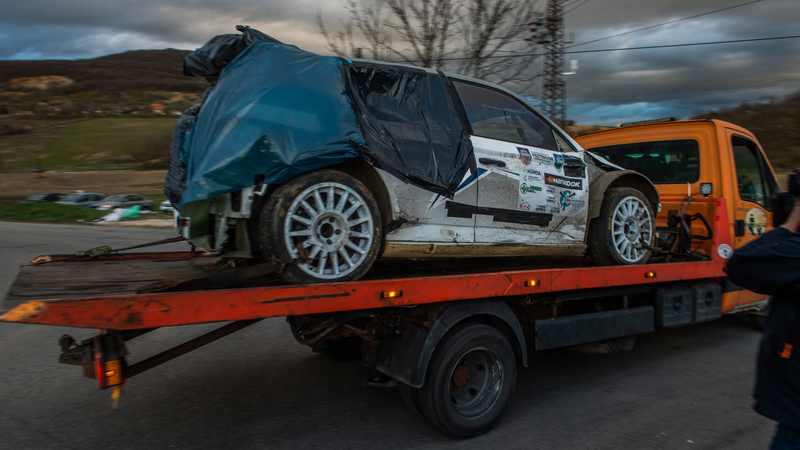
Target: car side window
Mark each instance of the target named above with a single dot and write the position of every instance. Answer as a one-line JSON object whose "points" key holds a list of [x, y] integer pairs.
{"points": [[496, 115]]}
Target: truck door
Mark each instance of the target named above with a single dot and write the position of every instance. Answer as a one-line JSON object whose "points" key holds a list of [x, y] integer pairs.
{"points": [[755, 185], [531, 180]]}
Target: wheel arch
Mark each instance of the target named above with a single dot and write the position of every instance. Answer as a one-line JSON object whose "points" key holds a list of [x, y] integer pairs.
{"points": [[364, 172], [406, 357], [617, 179]]}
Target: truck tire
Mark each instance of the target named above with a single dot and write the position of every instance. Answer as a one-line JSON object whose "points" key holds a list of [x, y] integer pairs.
{"points": [[469, 380], [625, 223], [410, 397], [329, 219]]}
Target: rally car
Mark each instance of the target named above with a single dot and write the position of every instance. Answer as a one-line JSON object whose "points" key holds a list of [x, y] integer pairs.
{"points": [[327, 164]]}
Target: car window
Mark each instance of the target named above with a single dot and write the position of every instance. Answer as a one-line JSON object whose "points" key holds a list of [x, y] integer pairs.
{"points": [[70, 198], [663, 162], [496, 115], [114, 198]]}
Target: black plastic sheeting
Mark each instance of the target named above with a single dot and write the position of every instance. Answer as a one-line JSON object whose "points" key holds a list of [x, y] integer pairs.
{"points": [[276, 112], [410, 124], [209, 60]]}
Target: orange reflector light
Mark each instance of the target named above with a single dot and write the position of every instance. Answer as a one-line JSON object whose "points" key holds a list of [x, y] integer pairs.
{"points": [[113, 373], [532, 283], [649, 274], [391, 294]]}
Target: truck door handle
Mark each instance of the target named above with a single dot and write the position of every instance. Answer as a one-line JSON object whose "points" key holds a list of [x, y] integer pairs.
{"points": [[492, 162], [738, 227]]}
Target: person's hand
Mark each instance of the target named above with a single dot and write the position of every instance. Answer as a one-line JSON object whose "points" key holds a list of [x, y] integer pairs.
{"points": [[793, 221]]}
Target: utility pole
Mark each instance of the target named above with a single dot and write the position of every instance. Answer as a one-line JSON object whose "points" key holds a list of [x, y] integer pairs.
{"points": [[554, 88]]}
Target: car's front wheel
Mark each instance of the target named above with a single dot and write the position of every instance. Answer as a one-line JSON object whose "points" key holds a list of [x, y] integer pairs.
{"points": [[326, 219], [624, 229]]}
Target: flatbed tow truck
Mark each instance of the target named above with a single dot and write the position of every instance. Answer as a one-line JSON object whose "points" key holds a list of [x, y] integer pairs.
{"points": [[451, 338]]}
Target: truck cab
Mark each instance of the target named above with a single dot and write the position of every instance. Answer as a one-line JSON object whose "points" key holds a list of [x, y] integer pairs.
{"points": [[688, 159]]}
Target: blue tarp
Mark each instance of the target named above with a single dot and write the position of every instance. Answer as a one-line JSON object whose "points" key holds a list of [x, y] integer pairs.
{"points": [[276, 111]]}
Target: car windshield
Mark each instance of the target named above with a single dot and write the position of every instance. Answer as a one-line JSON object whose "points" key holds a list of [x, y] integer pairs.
{"points": [[70, 197], [114, 198]]}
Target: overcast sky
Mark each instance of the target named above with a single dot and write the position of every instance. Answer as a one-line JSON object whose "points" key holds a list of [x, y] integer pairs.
{"points": [[609, 88]]}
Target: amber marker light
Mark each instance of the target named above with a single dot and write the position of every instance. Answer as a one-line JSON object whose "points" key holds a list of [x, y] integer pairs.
{"points": [[391, 294], [113, 373], [650, 274], [532, 283]]}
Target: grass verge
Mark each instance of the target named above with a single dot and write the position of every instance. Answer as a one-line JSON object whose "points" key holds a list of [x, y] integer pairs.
{"points": [[50, 212]]}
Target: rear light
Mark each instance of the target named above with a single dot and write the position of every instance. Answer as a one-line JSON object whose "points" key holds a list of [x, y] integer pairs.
{"points": [[108, 362], [184, 223]]}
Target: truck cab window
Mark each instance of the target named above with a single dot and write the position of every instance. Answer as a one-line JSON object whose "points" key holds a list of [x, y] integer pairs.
{"points": [[664, 162], [495, 115], [755, 181]]}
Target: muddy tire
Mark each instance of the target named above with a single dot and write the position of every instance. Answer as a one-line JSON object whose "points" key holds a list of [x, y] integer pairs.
{"points": [[626, 222], [330, 220]]}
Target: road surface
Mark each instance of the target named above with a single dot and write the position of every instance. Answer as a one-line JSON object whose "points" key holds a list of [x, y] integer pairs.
{"points": [[681, 388]]}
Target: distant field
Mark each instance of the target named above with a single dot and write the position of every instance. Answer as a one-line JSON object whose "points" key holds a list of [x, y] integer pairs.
{"points": [[99, 144]]}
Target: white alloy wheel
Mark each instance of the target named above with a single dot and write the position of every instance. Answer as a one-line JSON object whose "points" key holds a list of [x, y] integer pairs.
{"points": [[631, 228], [330, 225]]}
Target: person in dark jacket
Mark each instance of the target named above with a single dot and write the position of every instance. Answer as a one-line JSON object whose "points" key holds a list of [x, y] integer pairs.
{"points": [[770, 265]]}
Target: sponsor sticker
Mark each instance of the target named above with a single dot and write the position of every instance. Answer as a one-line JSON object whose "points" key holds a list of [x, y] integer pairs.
{"points": [[533, 172], [525, 188], [551, 200], [541, 208], [566, 199], [558, 161], [554, 210], [570, 183], [756, 222], [550, 190], [525, 206], [542, 157], [524, 155]]}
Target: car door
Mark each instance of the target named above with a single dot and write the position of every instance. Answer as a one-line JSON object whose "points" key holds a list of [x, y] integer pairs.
{"points": [[533, 186]]}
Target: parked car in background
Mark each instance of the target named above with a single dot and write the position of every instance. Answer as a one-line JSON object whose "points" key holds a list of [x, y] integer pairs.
{"points": [[123, 201], [166, 206], [48, 197], [80, 198]]}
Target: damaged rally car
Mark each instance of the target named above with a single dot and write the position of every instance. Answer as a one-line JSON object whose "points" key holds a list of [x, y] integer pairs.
{"points": [[327, 164]]}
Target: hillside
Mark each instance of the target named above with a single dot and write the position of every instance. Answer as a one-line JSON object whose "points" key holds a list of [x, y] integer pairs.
{"points": [[776, 124], [140, 70]]}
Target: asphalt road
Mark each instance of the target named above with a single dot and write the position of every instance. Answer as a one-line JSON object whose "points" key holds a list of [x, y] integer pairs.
{"points": [[681, 388]]}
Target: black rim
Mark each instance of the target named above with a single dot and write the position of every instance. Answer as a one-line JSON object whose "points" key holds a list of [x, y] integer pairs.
{"points": [[475, 383]]}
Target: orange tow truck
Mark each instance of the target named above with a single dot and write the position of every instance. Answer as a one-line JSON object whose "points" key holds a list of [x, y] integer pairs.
{"points": [[704, 158], [449, 335]]}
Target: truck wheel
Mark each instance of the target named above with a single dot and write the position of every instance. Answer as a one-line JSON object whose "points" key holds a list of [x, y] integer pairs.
{"points": [[329, 219], [469, 381], [625, 224], [410, 397]]}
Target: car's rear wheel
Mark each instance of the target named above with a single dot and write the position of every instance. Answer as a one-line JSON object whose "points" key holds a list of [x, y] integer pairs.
{"points": [[326, 219], [620, 234]]}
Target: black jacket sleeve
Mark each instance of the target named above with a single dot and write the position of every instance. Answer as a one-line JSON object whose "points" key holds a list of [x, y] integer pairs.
{"points": [[769, 265]]}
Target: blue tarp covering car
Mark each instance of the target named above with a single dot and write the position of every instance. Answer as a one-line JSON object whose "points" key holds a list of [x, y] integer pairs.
{"points": [[275, 111]]}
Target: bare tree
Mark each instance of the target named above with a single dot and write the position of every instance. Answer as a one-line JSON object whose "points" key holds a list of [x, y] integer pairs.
{"points": [[369, 22], [493, 41], [478, 38]]}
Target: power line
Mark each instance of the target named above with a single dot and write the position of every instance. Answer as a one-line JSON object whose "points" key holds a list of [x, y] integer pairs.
{"points": [[683, 45], [692, 44], [665, 23]]}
